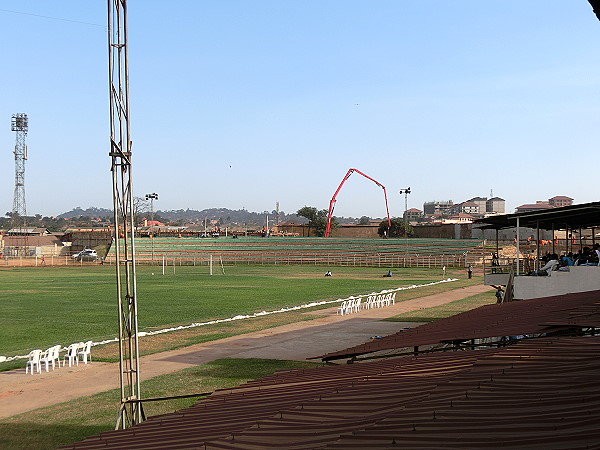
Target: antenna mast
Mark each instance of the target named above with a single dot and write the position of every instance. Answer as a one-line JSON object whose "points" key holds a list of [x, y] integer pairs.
{"points": [[18, 221], [130, 412]]}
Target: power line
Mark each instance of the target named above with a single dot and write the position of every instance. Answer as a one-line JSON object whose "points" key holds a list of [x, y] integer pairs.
{"points": [[53, 18]]}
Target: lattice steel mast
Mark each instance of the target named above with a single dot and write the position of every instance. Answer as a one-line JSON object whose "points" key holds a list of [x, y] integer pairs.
{"points": [[20, 124], [130, 412]]}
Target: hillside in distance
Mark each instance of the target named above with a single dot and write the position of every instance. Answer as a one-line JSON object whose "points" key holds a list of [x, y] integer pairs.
{"points": [[190, 216], [224, 216]]}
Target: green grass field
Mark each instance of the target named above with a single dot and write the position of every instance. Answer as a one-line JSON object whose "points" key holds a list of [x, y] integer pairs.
{"points": [[447, 310], [73, 421], [167, 299], [60, 305]]}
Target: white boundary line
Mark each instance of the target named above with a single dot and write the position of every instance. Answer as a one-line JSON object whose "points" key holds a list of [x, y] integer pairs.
{"points": [[251, 316]]}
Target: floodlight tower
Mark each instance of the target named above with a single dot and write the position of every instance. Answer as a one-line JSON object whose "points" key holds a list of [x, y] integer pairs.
{"points": [[130, 412], [405, 192], [20, 124], [152, 197]]}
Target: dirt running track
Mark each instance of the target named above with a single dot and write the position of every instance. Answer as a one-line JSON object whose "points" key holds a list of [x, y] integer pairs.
{"points": [[297, 341]]}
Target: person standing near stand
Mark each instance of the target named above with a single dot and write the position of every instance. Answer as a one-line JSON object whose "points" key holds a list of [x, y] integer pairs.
{"points": [[499, 294], [470, 271]]}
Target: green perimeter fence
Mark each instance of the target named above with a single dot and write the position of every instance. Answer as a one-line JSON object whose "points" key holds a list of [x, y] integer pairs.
{"points": [[305, 251]]}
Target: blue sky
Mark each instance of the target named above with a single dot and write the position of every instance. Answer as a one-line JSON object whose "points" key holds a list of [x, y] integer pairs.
{"points": [[241, 104]]}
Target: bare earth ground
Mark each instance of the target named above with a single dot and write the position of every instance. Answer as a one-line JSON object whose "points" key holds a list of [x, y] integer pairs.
{"points": [[297, 341]]}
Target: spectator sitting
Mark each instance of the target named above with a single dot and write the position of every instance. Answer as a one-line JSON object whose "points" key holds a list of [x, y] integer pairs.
{"points": [[567, 259], [586, 258], [328, 273], [597, 252], [551, 265], [389, 274]]}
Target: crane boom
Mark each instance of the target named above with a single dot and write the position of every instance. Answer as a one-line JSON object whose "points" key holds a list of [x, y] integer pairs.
{"points": [[333, 199]]}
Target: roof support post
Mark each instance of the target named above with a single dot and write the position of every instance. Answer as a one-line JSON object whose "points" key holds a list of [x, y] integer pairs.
{"points": [[497, 250], [518, 242], [537, 245]]}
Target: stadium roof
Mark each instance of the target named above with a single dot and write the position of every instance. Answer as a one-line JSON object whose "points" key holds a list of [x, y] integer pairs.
{"points": [[530, 317], [585, 215], [540, 393]]}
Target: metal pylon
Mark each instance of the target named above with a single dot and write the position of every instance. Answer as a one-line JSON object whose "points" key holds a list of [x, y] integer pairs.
{"points": [[18, 222], [130, 412]]}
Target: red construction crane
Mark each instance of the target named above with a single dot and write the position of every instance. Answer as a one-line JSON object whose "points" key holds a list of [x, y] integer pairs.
{"points": [[332, 202]]}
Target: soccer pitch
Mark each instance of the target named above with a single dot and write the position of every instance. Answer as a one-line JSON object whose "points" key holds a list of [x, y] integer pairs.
{"points": [[60, 305]]}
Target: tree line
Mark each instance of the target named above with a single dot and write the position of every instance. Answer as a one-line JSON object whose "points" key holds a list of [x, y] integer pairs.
{"points": [[317, 220]]}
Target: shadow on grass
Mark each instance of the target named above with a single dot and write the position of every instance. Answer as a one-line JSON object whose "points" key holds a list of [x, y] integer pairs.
{"points": [[34, 435], [238, 372], [446, 310]]}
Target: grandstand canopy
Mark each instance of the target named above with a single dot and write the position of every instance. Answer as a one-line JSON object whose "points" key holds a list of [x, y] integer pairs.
{"points": [[586, 215]]}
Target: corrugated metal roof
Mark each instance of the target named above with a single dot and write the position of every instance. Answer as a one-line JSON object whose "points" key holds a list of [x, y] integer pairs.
{"points": [[526, 317], [33, 241], [542, 393], [584, 215]]}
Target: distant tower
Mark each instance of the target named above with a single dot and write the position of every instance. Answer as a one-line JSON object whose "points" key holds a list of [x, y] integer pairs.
{"points": [[19, 124], [277, 210]]}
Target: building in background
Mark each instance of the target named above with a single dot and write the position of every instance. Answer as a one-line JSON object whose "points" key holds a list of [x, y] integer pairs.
{"points": [[460, 217], [467, 207], [481, 205], [560, 200], [557, 201], [476, 206], [413, 215], [537, 206], [495, 205], [438, 207]]}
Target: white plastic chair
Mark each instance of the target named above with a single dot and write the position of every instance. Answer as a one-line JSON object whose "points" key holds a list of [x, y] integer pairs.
{"points": [[347, 307], [387, 300], [352, 306], [394, 298], [357, 305], [57, 349], [86, 352], [34, 361], [50, 356], [342, 308], [71, 355]]}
